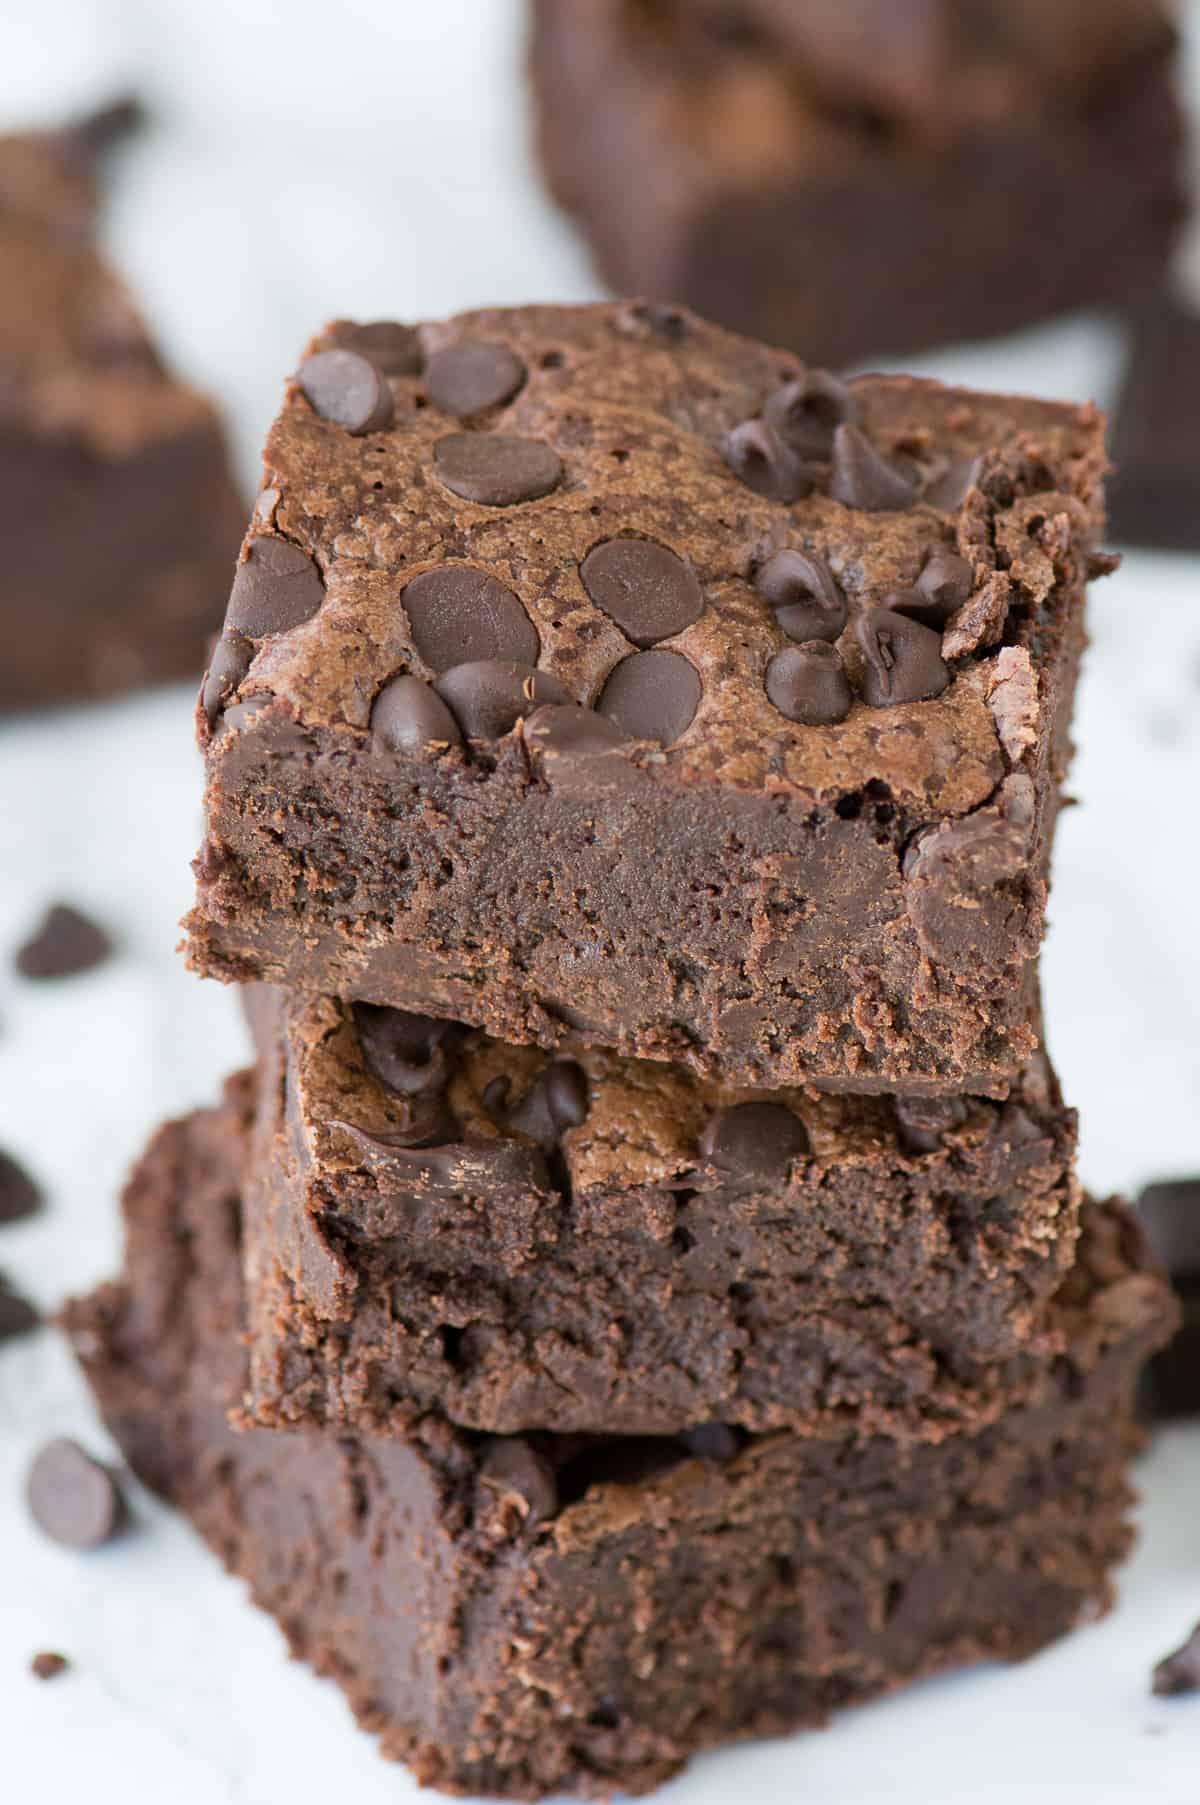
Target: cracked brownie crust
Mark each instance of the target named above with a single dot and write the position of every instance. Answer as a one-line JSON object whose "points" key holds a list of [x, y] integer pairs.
{"points": [[590, 671]]}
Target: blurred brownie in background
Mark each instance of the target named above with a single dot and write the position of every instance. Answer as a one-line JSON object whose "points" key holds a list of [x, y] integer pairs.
{"points": [[118, 517], [856, 178], [1154, 494]]}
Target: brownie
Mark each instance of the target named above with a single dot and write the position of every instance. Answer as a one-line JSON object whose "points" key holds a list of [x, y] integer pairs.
{"points": [[438, 1222], [1154, 493], [118, 516], [1169, 1212], [631, 681], [519, 1615], [867, 178]]}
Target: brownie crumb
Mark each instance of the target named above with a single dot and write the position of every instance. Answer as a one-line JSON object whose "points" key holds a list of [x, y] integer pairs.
{"points": [[72, 1498], [48, 1666], [17, 1315], [65, 943], [1179, 1673], [20, 1195]]}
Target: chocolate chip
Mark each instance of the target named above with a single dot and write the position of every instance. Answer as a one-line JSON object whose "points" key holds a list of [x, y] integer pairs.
{"points": [[410, 1054], [1170, 1214], [232, 657], [759, 458], [649, 591], [466, 378], [491, 695], [652, 696], [568, 1096], [903, 659], [945, 583], [572, 732], [460, 615], [808, 684], [711, 1441], [807, 601], [495, 469], [863, 478], [20, 1196], [754, 1143], [409, 717], [806, 413], [72, 1498], [48, 1666], [393, 348], [558, 1099], [17, 1315], [1179, 1674], [520, 1481], [950, 490], [348, 389], [277, 587], [923, 1122], [64, 944]]}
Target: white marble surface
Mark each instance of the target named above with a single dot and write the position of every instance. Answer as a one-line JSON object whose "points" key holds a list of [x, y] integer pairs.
{"points": [[370, 158]]}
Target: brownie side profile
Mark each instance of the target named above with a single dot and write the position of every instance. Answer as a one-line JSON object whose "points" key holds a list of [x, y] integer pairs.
{"points": [[684, 700], [517, 1616], [439, 1222], [764, 162], [118, 516]]}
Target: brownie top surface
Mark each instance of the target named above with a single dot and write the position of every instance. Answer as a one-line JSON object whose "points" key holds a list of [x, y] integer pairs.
{"points": [[602, 493]]}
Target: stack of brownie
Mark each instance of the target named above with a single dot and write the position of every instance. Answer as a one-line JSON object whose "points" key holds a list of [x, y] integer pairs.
{"points": [[643, 1298]]}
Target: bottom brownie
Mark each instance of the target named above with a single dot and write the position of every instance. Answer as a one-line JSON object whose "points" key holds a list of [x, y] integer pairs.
{"points": [[518, 1615]]}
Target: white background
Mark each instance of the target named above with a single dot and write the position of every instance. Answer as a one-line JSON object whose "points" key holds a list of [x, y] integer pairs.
{"points": [[370, 159]]}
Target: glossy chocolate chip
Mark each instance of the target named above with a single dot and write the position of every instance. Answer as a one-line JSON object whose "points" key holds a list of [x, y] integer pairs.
{"points": [[277, 587], [759, 458], [951, 488], [232, 657], [475, 374], [903, 659], [652, 696], [922, 1123], [64, 944], [489, 697], [754, 1143], [408, 1053], [572, 732], [520, 1481], [808, 684], [410, 717], [568, 1096], [558, 1099], [648, 590], [863, 478], [392, 347], [495, 469], [459, 615], [806, 413], [347, 389], [807, 601], [72, 1498], [946, 582]]}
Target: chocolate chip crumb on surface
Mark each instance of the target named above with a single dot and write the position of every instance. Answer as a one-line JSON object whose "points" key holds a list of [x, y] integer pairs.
{"points": [[1178, 1675], [65, 943], [48, 1666], [73, 1498]]}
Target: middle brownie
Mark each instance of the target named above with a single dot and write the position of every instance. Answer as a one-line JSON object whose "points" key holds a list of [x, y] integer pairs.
{"points": [[439, 1220]]}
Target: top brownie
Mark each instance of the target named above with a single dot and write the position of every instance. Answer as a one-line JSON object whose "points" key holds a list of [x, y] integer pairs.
{"points": [[594, 672]]}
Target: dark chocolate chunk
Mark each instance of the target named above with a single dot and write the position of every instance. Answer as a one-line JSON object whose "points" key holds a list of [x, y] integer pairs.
{"points": [[520, 1482], [945, 583], [759, 458], [348, 389], [460, 615], [20, 1195], [64, 944], [48, 1666], [17, 1315], [232, 657], [903, 658], [1170, 1213], [807, 601], [652, 696], [863, 478], [648, 590], [409, 716], [1179, 1673], [806, 413], [712, 1441], [495, 469], [489, 696], [466, 378], [809, 684], [391, 347], [72, 1498], [277, 587], [923, 1122], [573, 732], [558, 1099], [410, 1054], [754, 1143]]}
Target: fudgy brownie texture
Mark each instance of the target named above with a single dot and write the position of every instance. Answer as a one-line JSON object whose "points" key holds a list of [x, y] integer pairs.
{"points": [[869, 178], [522, 1615], [626, 679], [439, 1222], [117, 513], [1154, 493]]}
